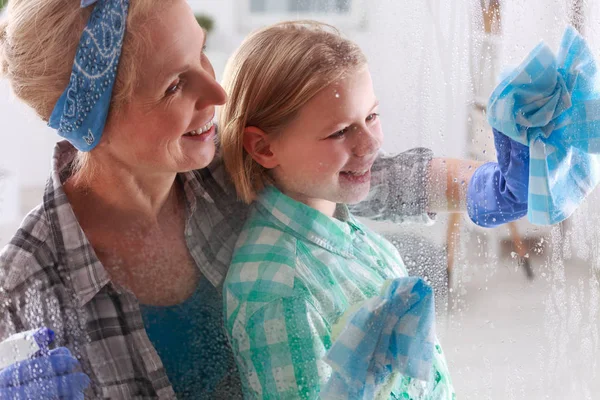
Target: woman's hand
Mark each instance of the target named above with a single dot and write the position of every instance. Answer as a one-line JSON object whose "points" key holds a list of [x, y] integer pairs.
{"points": [[493, 193], [497, 192], [54, 374]]}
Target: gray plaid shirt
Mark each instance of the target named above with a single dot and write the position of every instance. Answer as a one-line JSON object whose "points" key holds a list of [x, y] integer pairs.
{"points": [[50, 275]]}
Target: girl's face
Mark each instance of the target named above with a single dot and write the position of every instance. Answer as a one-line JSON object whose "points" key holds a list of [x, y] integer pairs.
{"points": [[167, 127], [325, 155]]}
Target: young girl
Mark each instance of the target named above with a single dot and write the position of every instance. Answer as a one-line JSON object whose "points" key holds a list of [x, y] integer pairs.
{"points": [[299, 135]]}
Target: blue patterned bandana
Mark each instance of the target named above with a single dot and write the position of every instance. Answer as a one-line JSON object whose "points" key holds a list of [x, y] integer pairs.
{"points": [[80, 113]]}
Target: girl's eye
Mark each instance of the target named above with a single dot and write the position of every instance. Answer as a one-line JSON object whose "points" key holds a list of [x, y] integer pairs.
{"points": [[339, 134], [174, 88], [372, 117]]}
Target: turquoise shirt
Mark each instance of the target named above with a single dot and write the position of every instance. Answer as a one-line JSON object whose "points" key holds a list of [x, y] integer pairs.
{"points": [[294, 274], [189, 338]]}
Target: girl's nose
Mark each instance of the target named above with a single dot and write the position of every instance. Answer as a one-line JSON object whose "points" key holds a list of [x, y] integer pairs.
{"points": [[367, 143]]}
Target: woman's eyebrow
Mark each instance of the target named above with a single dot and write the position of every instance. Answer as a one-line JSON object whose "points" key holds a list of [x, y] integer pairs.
{"points": [[172, 72]]}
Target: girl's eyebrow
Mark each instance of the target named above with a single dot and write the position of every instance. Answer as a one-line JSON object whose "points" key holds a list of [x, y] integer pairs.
{"points": [[333, 126]]}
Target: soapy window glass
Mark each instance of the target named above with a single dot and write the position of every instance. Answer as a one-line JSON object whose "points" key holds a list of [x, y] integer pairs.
{"points": [[518, 305]]}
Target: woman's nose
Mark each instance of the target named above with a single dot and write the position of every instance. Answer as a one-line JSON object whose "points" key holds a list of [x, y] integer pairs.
{"points": [[211, 93]]}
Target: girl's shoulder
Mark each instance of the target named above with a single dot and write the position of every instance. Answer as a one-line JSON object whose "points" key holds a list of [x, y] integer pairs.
{"points": [[375, 237], [382, 246], [264, 260]]}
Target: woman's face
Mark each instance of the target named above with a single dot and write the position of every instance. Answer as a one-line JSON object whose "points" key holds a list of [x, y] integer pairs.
{"points": [[167, 126]]}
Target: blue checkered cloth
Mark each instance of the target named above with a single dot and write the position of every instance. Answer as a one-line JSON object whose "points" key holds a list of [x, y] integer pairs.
{"points": [[552, 104], [390, 333]]}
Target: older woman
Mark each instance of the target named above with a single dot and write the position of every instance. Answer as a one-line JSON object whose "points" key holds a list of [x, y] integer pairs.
{"points": [[125, 256]]}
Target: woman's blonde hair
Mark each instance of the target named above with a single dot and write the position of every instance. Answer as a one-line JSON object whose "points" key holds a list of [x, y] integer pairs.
{"points": [[38, 42], [273, 74]]}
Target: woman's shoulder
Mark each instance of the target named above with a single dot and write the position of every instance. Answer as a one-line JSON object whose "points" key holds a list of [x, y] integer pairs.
{"points": [[29, 252]]}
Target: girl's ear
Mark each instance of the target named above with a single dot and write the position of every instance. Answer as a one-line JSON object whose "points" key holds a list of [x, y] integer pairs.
{"points": [[257, 144]]}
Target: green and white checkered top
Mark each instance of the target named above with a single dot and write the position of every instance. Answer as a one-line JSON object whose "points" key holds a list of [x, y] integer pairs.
{"points": [[294, 273]]}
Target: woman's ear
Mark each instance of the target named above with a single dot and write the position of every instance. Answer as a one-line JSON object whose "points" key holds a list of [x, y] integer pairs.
{"points": [[257, 144]]}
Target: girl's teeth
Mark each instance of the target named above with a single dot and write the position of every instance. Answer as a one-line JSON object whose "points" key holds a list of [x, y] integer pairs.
{"points": [[356, 173]]}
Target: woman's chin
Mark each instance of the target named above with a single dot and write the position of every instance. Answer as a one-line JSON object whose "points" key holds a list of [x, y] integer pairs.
{"points": [[200, 158]]}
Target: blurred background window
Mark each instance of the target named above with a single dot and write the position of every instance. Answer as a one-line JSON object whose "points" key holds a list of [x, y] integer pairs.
{"points": [[301, 6], [347, 14]]}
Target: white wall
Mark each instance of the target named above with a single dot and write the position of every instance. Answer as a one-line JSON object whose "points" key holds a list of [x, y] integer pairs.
{"points": [[25, 152], [419, 56]]}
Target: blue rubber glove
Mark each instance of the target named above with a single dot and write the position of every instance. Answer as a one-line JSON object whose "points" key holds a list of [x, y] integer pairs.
{"points": [[54, 374], [497, 192]]}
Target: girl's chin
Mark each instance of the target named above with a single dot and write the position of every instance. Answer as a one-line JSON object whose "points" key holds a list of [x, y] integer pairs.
{"points": [[352, 194], [351, 197]]}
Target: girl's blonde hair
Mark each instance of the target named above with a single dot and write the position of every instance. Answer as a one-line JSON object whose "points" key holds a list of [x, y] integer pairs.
{"points": [[38, 42], [273, 74]]}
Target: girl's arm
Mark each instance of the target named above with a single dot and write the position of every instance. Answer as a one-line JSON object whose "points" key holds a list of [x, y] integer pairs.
{"points": [[278, 349]]}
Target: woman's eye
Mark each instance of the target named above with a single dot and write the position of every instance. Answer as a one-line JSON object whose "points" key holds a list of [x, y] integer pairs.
{"points": [[174, 88], [339, 134], [372, 117]]}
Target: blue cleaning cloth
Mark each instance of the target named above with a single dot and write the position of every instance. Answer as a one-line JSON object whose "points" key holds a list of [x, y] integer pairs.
{"points": [[552, 104], [390, 333]]}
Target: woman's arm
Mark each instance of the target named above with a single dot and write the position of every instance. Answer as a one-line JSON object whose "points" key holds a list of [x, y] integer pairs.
{"points": [[398, 188], [414, 185], [448, 183]]}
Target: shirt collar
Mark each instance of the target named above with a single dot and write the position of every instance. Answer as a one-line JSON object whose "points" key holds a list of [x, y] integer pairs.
{"points": [[332, 234], [88, 275], [74, 251]]}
